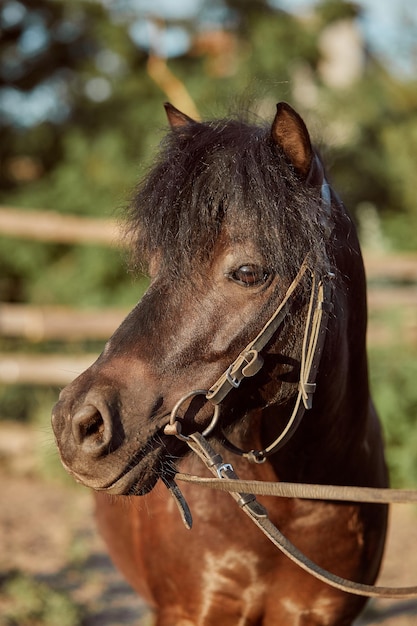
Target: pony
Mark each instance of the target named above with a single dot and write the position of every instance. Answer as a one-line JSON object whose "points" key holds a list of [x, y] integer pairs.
{"points": [[239, 230]]}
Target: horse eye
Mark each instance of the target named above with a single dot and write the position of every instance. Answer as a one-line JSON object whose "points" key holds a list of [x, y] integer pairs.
{"points": [[249, 275]]}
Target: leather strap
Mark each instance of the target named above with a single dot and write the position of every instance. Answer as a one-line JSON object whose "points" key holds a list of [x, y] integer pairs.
{"points": [[374, 495]]}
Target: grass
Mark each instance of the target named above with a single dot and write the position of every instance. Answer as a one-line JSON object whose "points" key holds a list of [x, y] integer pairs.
{"points": [[26, 601]]}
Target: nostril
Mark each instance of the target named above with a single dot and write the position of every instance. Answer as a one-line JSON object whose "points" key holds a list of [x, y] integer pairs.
{"points": [[90, 430]]}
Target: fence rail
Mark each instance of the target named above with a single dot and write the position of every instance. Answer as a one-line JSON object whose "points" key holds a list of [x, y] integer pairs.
{"points": [[50, 226], [36, 324], [392, 284], [42, 369], [43, 323]]}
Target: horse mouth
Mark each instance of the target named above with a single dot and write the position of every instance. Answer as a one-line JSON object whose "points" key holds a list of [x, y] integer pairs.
{"points": [[134, 467], [138, 479], [154, 460]]}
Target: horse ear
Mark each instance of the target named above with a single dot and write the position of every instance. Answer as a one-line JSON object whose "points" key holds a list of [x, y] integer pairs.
{"points": [[290, 133], [176, 119]]}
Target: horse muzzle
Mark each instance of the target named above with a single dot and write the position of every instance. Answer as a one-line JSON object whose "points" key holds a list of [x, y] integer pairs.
{"points": [[106, 442]]}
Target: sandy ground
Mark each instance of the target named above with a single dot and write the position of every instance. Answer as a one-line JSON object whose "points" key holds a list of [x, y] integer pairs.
{"points": [[47, 531]]}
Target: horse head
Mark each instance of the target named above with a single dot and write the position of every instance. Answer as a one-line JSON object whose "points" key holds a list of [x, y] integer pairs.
{"points": [[230, 218]]}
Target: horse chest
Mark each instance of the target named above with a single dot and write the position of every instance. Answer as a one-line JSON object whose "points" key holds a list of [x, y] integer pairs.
{"points": [[224, 570]]}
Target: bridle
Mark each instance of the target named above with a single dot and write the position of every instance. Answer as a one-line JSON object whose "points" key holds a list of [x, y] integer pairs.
{"points": [[248, 363]]}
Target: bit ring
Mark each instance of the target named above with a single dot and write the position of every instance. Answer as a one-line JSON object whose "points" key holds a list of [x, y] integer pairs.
{"points": [[174, 426]]}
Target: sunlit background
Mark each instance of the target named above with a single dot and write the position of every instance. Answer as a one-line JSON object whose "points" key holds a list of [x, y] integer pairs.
{"points": [[82, 84]]}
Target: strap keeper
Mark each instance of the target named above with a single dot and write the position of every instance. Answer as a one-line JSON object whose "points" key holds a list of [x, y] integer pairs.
{"points": [[255, 456], [254, 363], [308, 388], [215, 460], [245, 498]]}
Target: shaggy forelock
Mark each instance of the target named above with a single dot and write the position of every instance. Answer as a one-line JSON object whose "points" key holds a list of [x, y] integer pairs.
{"points": [[230, 173]]}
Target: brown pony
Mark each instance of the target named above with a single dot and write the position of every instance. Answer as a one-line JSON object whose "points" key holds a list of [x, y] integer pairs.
{"points": [[234, 220]]}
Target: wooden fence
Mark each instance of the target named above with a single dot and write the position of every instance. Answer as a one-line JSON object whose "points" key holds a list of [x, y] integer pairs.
{"points": [[56, 227], [392, 285]]}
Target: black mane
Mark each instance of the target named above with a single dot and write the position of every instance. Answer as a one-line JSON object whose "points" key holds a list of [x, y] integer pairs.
{"points": [[225, 172]]}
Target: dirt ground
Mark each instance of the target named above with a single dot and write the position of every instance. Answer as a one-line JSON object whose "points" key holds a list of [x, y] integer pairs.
{"points": [[47, 533]]}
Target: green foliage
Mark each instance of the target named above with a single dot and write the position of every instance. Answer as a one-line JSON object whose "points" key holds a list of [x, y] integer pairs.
{"points": [[374, 161], [399, 143], [333, 10], [299, 43], [393, 383]]}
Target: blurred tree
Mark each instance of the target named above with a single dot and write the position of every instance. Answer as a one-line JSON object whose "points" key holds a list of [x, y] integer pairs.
{"points": [[79, 110], [43, 47], [73, 128]]}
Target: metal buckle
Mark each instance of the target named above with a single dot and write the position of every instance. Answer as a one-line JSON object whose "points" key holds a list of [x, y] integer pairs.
{"points": [[235, 382], [222, 467]]}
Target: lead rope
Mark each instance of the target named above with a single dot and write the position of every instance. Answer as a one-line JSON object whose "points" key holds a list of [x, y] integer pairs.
{"points": [[259, 515], [373, 495]]}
